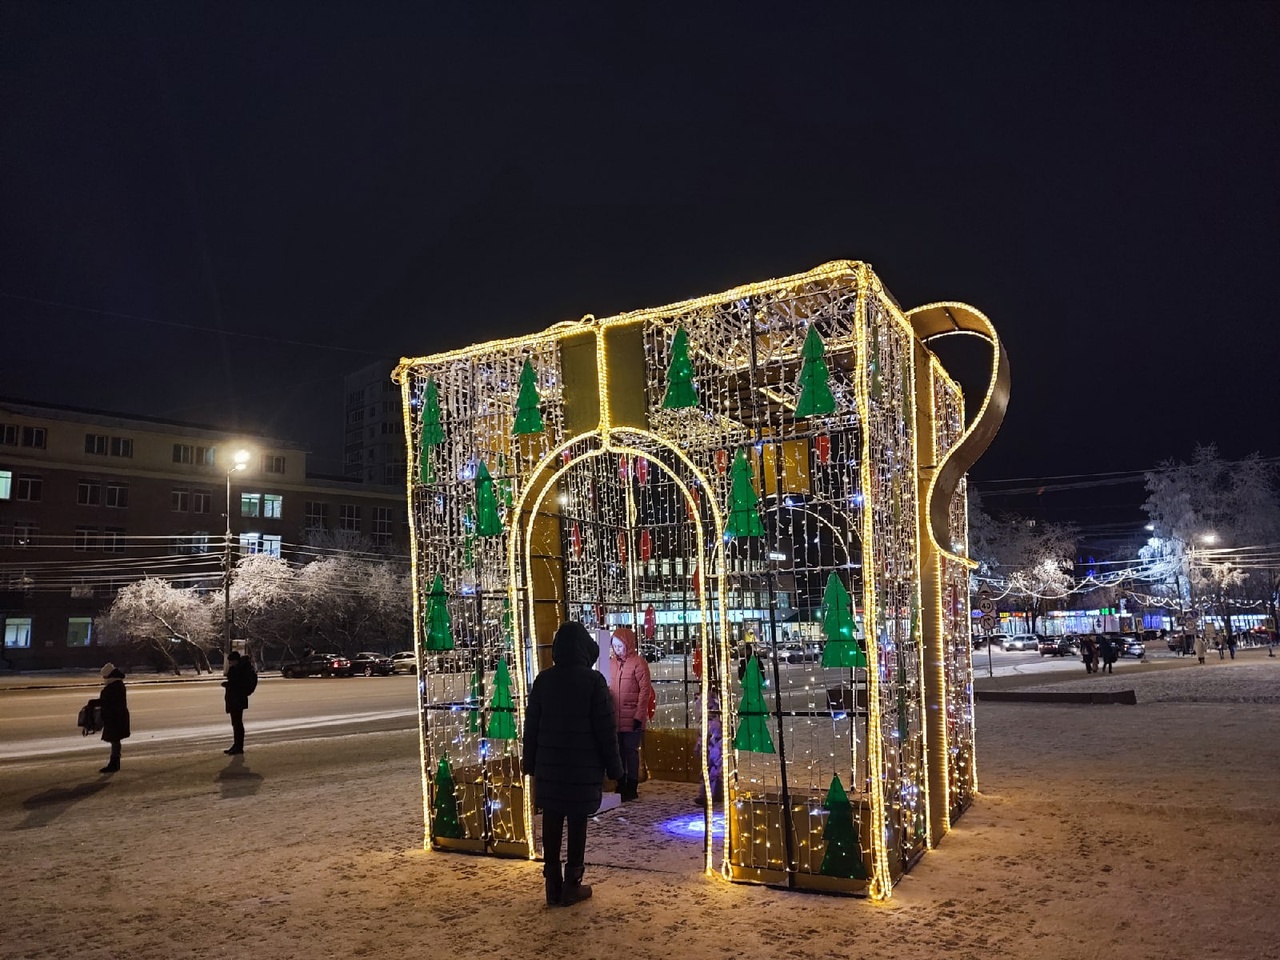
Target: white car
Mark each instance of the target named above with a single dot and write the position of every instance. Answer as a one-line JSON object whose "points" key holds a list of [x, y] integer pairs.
{"points": [[1023, 641], [406, 661]]}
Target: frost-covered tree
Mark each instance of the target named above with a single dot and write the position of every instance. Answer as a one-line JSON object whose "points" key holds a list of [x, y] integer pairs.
{"points": [[1034, 560], [156, 619], [1210, 519], [264, 603]]}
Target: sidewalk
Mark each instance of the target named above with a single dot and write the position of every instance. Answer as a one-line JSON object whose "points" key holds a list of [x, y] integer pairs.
{"points": [[54, 679]]}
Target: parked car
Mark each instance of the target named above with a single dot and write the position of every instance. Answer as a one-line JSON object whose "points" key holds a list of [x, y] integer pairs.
{"points": [[317, 664], [406, 661], [368, 664], [1023, 641], [1060, 647]]}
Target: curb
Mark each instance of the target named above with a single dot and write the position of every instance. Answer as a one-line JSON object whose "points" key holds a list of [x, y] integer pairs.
{"points": [[1022, 696]]}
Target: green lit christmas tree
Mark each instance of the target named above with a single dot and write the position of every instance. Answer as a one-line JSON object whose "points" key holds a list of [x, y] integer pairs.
{"points": [[528, 416], [753, 724], [815, 393], [437, 626], [680, 389], [444, 818], [488, 522], [432, 432], [843, 857], [502, 709], [475, 722], [841, 649], [744, 513]]}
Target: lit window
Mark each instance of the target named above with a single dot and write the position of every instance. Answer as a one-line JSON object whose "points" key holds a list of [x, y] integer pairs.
{"points": [[260, 543], [180, 500], [250, 504], [117, 495], [88, 493], [272, 506], [17, 632], [6, 484], [79, 631]]}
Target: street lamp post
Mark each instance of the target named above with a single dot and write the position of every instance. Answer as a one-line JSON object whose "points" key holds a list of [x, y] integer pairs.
{"points": [[240, 461]]}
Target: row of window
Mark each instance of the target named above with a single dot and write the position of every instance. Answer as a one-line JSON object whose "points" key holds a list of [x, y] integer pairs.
{"points": [[17, 631], [107, 539], [12, 435], [104, 445]]}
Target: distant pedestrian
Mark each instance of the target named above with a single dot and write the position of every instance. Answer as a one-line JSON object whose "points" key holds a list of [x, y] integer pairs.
{"points": [[1231, 645], [1271, 643], [1202, 646], [570, 746], [241, 681], [1217, 645], [1088, 653], [632, 690], [115, 714], [1110, 652]]}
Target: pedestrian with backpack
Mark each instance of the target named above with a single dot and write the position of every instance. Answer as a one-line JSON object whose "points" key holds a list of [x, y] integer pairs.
{"points": [[241, 681], [115, 714]]}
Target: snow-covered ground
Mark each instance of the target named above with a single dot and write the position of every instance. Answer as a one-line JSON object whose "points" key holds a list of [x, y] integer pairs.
{"points": [[1148, 831]]}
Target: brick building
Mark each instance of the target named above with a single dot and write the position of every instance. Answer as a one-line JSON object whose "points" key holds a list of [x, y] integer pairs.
{"points": [[90, 501]]}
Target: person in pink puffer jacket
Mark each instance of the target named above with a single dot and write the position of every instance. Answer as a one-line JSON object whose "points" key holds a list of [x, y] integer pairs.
{"points": [[632, 689]]}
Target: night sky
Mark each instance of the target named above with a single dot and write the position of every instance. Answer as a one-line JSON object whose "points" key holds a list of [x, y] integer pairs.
{"points": [[212, 211]]}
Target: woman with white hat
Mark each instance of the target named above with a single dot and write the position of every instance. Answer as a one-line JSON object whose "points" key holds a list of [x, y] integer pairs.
{"points": [[115, 714]]}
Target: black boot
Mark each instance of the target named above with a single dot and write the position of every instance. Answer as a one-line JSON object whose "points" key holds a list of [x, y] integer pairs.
{"points": [[112, 766], [629, 789], [555, 883], [574, 889]]}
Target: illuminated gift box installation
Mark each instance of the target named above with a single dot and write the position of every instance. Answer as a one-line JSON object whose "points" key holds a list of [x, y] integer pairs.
{"points": [[767, 485]]}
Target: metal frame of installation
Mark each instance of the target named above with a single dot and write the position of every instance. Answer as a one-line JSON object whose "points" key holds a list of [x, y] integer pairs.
{"points": [[783, 460]]}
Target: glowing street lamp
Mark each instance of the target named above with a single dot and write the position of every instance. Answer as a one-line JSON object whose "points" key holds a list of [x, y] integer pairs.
{"points": [[239, 462]]}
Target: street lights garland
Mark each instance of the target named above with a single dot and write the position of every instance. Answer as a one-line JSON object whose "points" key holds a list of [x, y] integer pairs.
{"points": [[240, 462]]}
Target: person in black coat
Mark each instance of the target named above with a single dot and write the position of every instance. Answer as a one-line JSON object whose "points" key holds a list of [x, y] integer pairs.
{"points": [[241, 681], [115, 714], [570, 745]]}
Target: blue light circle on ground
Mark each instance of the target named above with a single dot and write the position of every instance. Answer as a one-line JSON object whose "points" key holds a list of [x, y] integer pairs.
{"points": [[692, 826]]}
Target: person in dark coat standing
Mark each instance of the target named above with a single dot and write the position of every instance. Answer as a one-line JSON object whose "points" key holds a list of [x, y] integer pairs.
{"points": [[115, 714], [1088, 652], [241, 681], [570, 745]]}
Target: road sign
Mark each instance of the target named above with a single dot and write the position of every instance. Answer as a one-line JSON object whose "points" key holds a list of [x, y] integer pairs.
{"points": [[986, 605], [987, 621]]}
